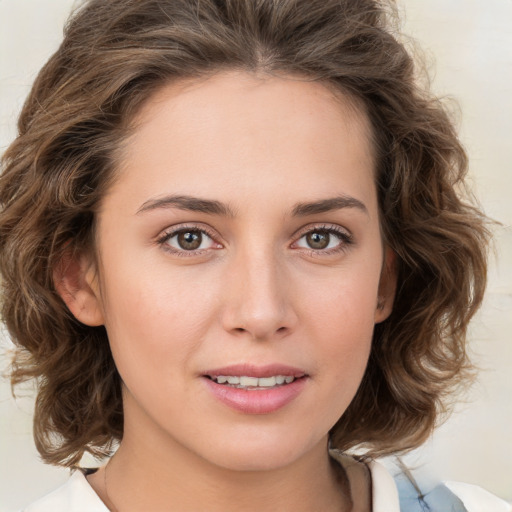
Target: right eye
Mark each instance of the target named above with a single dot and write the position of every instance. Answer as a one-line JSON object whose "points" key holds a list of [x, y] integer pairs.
{"points": [[188, 240]]}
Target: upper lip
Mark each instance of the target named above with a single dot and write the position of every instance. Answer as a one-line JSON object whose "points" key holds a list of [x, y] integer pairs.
{"points": [[251, 370]]}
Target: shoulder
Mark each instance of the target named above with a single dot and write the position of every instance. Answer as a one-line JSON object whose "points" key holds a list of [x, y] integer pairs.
{"points": [[76, 495], [476, 499], [418, 495], [403, 492]]}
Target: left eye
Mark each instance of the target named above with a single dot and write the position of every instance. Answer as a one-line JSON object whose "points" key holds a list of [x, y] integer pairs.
{"points": [[321, 239], [189, 240]]}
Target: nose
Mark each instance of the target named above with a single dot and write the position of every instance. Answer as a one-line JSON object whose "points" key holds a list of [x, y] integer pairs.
{"points": [[258, 298]]}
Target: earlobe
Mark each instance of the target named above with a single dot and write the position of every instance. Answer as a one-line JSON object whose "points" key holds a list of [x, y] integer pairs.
{"points": [[387, 287], [75, 280]]}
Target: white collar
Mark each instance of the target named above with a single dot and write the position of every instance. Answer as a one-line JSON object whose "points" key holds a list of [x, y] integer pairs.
{"points": [[384, 491], [77, 495]]}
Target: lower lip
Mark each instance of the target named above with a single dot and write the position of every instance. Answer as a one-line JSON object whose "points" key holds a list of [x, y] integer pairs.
{"points": [[256, 401]]}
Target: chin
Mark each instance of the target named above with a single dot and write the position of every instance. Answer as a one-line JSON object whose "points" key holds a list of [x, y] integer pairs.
{"points": [[260, 453]]}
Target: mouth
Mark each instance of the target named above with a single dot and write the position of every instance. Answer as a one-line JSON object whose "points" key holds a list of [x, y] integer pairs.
{"points": [[251, 389], [253, 383]]}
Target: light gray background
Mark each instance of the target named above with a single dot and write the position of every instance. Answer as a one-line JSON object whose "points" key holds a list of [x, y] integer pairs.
{"points": [[471, 44]]}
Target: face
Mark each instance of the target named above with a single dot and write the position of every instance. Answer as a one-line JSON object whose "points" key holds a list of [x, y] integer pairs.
{"points": [[239, 250]]}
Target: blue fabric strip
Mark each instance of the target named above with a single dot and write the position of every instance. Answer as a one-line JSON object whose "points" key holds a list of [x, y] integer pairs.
{"points": [[414, 499]]}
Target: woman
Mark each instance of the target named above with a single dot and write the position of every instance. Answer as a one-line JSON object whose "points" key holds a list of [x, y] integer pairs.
{"points": [[245, 247]]}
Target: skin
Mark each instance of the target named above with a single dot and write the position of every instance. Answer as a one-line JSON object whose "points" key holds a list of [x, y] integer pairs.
{"points": [[255, 292]]}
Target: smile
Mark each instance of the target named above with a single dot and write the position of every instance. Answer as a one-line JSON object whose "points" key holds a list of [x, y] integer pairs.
{"points": [[254, 383], [250, 389]]}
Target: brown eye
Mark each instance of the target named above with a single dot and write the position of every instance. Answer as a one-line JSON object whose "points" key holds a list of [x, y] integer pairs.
{"points": [[325, 240], [189, 240], [318, 239]]}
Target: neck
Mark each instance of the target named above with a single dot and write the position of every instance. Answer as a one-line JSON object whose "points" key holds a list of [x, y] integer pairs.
{"points": [[153, 471], [148, 480]]}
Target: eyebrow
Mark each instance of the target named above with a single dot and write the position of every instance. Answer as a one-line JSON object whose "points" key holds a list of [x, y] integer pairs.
{"points": [[213, 207], [327, 205], [188, 203]]}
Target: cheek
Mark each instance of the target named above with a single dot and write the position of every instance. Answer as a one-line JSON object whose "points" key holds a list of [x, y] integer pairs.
{"points": [[344, 301], [154, 322], [341, 321]]}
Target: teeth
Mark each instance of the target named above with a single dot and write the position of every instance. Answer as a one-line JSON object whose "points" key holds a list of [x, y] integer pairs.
{"points": [[249, 381], [254, 382], [266, 381]]}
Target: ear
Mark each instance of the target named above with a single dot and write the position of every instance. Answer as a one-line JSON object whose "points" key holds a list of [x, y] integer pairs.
{"points": [[75, 279], [387, 286]]}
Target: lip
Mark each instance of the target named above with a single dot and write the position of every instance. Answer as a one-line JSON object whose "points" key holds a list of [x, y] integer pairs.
{"points": [[250, 370], [259, 400]]}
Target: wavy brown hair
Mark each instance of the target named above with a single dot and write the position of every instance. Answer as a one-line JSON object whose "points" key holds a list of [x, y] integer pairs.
{"points": [[115, 54]]}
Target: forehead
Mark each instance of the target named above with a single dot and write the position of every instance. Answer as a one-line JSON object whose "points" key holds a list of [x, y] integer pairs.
{"points": [[230, 95], [236, 127]]}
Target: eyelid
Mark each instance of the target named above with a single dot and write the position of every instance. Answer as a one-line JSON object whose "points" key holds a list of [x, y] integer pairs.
{"points": [[322, 226], [172, 231], [344, 235]]}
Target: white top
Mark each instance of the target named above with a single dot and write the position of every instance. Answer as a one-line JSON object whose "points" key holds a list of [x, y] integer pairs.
{"points": [[76, 495]]}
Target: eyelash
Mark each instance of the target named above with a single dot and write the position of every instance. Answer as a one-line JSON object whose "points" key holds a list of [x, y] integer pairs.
{"points": [[345, 239], [176, 230]]}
